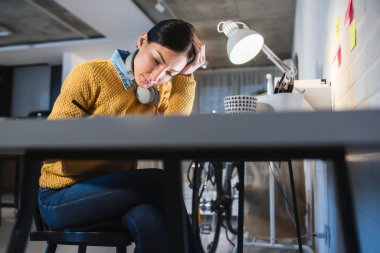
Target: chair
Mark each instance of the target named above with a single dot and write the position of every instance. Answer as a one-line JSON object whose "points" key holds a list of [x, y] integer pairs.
{"points": [[15, 204], [106, 234]]}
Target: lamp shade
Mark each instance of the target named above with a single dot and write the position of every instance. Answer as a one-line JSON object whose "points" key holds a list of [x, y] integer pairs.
{"points": [[244, 45]]}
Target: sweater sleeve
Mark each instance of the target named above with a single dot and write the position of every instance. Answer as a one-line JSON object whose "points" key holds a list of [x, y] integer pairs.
{"points": [[181, 97], [79, 85]]}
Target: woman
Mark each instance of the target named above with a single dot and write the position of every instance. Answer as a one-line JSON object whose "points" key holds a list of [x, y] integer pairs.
{"points": [[155, 79]]}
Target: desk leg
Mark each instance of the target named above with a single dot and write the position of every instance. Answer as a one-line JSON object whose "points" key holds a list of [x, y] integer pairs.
{"points": [[1, 192], [29, 187], [18, 176], [195, 201], [344, 203], [295, 207], [174, 205], [241, 208]]}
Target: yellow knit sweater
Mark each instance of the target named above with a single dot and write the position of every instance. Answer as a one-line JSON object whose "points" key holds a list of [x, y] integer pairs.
{"points": [[97, 87]]}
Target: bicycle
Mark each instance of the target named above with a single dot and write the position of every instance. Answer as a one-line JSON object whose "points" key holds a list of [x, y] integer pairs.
{"points": [[215, 201]]}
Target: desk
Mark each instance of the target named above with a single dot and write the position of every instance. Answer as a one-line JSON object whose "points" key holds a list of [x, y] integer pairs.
{"points": [[272, 136]]}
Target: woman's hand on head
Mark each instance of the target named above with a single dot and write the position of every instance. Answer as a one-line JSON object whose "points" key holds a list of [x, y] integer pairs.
{"points": [[199, 58]]}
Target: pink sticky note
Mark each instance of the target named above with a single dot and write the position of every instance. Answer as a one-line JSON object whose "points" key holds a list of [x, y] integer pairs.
{"points": [[349, 12], [338, 55]]}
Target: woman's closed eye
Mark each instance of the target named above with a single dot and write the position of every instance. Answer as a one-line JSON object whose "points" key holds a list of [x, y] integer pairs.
{"points": [[156, 62], [171, 75]]}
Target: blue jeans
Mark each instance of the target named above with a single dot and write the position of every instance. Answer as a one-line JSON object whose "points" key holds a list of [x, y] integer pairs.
{"points": [[134, 197]]}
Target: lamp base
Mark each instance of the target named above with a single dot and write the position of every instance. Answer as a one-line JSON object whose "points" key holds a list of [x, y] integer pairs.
{"points": [[281, 102]]}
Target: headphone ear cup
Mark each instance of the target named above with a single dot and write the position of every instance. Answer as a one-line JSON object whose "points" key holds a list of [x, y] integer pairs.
{"points": [[156, 97], [149, 96]]}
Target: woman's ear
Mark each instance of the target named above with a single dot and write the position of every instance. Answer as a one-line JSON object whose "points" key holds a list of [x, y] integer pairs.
{"points": [[142, 40]]}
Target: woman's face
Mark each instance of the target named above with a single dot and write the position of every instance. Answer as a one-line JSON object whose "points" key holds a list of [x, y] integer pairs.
{"points": [[155, 64]]}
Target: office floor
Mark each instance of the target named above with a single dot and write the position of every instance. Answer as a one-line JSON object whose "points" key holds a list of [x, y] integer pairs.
{"points": [[8, 219]]}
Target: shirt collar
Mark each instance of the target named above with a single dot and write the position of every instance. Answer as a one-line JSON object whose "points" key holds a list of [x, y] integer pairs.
{"points": [[122, 62]]}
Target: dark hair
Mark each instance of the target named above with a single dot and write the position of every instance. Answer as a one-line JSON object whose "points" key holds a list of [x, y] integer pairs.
{"points": [[174, 34]]}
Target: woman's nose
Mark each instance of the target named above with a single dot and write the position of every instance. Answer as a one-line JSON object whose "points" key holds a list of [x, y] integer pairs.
{"points": [[155, 76]]}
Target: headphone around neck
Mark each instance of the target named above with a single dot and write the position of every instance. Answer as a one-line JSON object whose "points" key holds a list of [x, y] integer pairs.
{"points": [[149, 96]]}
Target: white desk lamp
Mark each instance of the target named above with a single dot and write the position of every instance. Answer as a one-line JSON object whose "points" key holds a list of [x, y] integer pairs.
{"points": [[244, 44]]}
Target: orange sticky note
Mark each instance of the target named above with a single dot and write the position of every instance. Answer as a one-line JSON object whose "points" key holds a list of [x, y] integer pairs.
{"points": [[352, 34]]}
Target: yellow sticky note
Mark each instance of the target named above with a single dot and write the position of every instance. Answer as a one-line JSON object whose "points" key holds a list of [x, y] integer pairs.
{"points": [[337, 29], [352, 34]]}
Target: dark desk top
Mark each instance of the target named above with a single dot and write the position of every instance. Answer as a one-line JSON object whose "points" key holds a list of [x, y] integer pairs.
{"points": [[353, 130]]}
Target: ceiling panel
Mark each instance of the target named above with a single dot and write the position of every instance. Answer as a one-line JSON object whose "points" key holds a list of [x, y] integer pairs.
{"points": [[274, 19], [39, 21]]}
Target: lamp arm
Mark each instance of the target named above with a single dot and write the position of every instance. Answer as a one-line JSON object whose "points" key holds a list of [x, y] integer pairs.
{"points": [[291, 71]]}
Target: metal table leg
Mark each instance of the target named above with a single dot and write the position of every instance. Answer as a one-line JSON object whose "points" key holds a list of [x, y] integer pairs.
{"points": [[344, 203], [241, 209], [174, 210], [29, 188], [295, 207]]}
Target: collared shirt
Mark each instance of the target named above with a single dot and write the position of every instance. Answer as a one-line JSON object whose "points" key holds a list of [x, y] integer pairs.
{"points": [[124, 67]]}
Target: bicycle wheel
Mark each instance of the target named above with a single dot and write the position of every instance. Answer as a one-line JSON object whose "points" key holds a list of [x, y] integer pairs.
{"points": [[231, 196], [207, 217]]}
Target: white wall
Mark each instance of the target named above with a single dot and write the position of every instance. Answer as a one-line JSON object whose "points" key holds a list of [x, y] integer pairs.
{"points": [[355, 85], [309, 34], [69, 61], [355, 82]]}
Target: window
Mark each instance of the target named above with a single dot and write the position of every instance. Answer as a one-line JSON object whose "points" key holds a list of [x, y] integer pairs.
{"points": [[213, 86]]}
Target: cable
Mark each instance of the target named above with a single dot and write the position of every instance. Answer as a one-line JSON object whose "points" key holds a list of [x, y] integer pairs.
{"points": [[188, 174], [283, 194], [228, 239], [287, 206]]}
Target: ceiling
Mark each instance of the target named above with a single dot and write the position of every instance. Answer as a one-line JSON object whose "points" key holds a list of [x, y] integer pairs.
{"points": [[42, 30]]}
